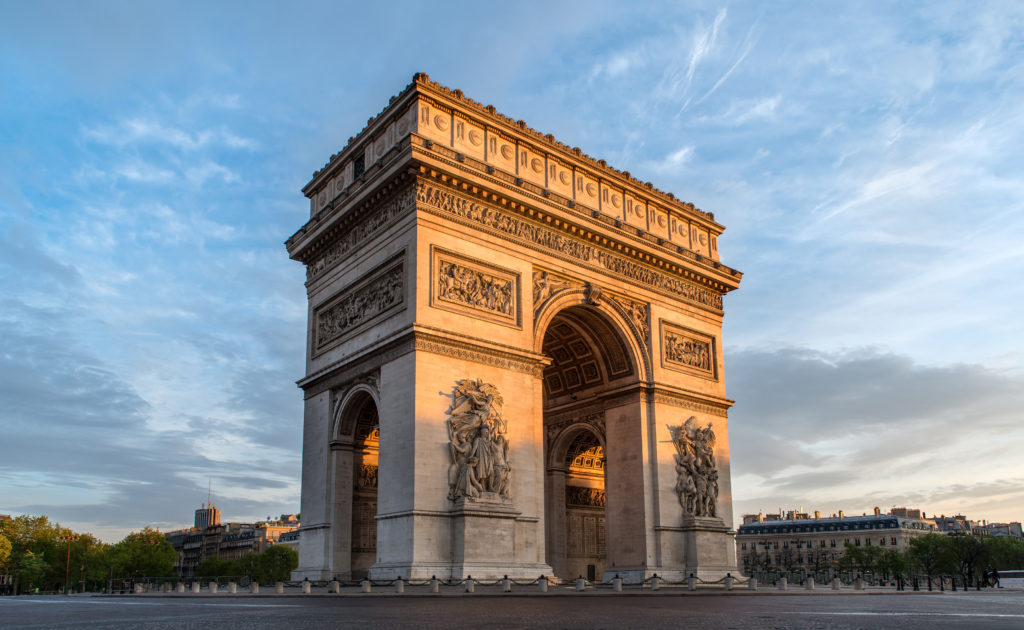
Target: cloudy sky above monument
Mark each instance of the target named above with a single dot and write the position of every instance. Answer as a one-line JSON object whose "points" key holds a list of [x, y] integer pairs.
{"points": [[865, 160]]}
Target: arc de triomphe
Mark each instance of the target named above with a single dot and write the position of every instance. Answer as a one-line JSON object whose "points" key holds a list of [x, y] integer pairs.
{"points": [[514, 361]]}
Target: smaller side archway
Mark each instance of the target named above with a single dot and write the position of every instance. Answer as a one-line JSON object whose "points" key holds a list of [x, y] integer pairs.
{"points": [[355, 447], [576, 537]]}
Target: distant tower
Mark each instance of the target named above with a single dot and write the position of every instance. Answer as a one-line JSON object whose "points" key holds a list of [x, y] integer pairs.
{"points": [[208, 515]]}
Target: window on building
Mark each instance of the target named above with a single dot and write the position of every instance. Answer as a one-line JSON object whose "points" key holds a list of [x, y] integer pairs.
{"points": [[744, 546], [856, 542], [882, 542], [892, 541], [833, 543], [776, 545], [822, 542], [785, 544], [746, 561], [867, 542]]}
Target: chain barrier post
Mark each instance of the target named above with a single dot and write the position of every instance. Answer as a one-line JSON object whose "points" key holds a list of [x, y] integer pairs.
{"points": [[470, 584], [213, 586], [655, 582], [783, 584], [434, 585], [728, 581], [254, 587], [617, 583], [366, 585], [399, 585], [752, 583], [306, 586], [691, 582], [836, 585], [809, 585], [279, 588], [581, 584], [195, 587], [506, 585], [232, 587], [542, 585], [181, 587]]}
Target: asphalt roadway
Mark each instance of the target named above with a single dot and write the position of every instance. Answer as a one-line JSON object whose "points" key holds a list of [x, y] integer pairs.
{"points": [[774, 611]]}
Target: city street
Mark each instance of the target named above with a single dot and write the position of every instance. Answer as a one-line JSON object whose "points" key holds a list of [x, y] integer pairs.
{"points": [[650, 612]]}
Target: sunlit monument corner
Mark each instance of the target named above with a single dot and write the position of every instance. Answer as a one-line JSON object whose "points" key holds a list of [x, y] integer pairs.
{"points": [[514, 359]]}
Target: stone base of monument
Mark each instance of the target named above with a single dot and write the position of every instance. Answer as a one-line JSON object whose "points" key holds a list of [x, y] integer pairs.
{"points": [[487, 539], [701, 546]]}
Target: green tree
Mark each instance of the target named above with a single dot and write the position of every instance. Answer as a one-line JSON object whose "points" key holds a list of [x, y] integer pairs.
{"points": [[144, 553], [1005, 553], [931, 554], [215, 566], [5, 553], [278, 562], [968, 552]]}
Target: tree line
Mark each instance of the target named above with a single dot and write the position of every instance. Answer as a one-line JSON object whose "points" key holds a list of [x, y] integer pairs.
{"points": [[930, 555], [36, 553]]}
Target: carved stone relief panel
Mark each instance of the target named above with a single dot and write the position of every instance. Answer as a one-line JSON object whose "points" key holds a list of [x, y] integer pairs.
{"points": [[635, 312], [696, 470], [475, 288], [687, 350], [548, 284], [576, 496], [477, 442], [378, 294]]}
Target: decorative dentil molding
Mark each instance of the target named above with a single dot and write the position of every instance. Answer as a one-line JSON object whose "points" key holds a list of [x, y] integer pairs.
{"points": [[527, 232], [365, 229]]}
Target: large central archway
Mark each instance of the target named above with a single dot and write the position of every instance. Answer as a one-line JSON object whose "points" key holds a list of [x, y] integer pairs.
{"points": [[591, 361]]}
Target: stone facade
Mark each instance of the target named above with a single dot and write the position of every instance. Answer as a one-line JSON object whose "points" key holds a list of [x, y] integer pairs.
{"points": [[514, 359]]}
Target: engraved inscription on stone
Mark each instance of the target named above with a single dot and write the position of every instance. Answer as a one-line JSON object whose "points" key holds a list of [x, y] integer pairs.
{"points": [[359, 305], [687, 350]]}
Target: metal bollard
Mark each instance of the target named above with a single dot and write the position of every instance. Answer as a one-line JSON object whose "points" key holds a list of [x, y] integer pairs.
{"points": [[470, 584], [581, 584], [435, 586], [506, 585], [617, 584], [232, 587], [213, 587], [399, 585], [836, 584], [655, 582], [254, 587], [181, 587], [306, 587], [691, 583], [195, 587], [728, 581], [279, 588], [809, 584], [366, 585], [783, 584], [752, 583]]}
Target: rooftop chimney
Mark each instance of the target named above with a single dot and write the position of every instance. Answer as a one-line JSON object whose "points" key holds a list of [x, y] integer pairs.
{"points": [[878, 512], [840, 514]]}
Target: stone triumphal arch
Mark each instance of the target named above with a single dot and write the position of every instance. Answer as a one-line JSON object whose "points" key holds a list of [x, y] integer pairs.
{"points": [[514, 361]]}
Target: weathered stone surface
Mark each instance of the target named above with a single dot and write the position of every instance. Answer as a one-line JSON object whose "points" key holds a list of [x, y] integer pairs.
{"points": [[458, 423]]}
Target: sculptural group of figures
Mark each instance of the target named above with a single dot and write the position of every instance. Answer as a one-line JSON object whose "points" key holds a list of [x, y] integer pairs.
{"points": [[688, 352], [474, 288], [478, 445], [696, 474]]}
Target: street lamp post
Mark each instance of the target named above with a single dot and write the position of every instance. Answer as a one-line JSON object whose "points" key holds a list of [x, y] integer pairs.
{"points": [[67, 572]]}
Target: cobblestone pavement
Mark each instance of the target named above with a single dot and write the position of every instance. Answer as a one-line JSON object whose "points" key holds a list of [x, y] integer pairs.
{"points": [[719, 611]]}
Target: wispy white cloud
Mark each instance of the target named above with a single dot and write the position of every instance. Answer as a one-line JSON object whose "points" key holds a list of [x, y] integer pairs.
{"points": [[141, 130]]}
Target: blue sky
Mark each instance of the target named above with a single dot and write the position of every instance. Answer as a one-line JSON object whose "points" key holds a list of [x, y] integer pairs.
{"points": [[865, 158]]}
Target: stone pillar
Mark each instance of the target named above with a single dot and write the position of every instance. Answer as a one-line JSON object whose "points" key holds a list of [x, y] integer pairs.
{"points": [[555, 534], [399, 585], [752, 583], [232, 587], [279, 588], [728, 582], [836, 584], [809, 584], [181, 587], [581, 584], [306, 587], [315, 555], [366, 586], [195, 587], [628, 514], [470, 584], [783, 584], [655, 582], [213, 587], [335, 587], [254, 587], [342, 487]]}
